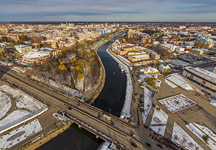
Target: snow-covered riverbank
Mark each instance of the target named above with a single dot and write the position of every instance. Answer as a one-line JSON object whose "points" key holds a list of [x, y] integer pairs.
{"points": [[125, 113]]}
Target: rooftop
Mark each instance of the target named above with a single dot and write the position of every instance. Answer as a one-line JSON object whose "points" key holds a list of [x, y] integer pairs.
{"points": [[36, 54], [203, 73], [141, 56]]}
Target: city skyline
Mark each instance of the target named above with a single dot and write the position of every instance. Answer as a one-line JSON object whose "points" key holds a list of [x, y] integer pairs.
{"points": [[108, 11]]}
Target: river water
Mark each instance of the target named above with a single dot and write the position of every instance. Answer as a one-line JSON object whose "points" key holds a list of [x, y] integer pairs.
{"points": [[111, 99]]}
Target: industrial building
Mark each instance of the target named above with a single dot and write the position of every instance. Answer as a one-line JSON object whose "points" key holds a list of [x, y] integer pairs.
{"points": [[202, 77]]}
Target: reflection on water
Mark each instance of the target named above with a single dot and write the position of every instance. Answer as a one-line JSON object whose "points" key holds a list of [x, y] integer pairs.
{"points": [[73, 139]]}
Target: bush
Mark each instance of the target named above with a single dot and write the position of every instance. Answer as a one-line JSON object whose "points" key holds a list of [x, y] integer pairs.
{"points": [[151, 82], [205, 138]]}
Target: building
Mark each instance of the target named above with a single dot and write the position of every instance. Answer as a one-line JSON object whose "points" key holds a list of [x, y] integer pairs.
{"points": [[202, 77], [49, 42], [164, 68], [136, 58], [119, 52], [23, 48], [205, 43], [149, 70], [197, 51], [36, 57], [155, 56]]}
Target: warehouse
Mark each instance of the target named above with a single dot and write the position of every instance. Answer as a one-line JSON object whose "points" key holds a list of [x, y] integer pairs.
{"points": [[202, 77]]}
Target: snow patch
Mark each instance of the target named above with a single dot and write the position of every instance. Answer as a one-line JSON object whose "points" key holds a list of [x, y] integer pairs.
{"points": [[5, 104], [180, 137], [159, 121], [180, 81], [147, 104], [201, 131], [170, 84], [19, 134]]}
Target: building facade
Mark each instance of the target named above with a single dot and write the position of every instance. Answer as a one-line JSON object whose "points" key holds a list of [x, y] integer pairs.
{"points": [[202, 77]]}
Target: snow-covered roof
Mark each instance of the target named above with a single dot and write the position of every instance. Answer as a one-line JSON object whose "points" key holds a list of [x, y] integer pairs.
{"points": [[36, 54], [203, 73]]}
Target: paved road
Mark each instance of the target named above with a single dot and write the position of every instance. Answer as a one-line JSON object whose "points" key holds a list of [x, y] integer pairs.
{"points": [[118, 130]]}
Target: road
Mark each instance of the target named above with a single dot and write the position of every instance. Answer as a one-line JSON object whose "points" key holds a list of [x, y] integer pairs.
{"points": [[118, 131]]}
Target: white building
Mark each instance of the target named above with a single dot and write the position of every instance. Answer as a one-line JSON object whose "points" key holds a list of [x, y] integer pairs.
{"points": [[149, 70], [164, 68], [23, 48], [36, 57]]}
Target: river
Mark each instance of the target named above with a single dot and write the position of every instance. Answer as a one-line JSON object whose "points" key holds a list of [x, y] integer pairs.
{"points": [[111, 99]]}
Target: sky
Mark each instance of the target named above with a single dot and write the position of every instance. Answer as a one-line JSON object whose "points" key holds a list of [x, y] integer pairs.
{"points": [[109, 10]]}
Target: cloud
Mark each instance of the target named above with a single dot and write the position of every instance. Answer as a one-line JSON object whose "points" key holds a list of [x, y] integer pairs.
{"points": [[124, 9]]}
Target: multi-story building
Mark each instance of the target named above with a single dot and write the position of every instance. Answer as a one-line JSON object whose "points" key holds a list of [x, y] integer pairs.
{"points": [[202, 77], [136, 58], [36, 57]]}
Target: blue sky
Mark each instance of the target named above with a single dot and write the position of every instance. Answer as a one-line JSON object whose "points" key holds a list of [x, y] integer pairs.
{"points": [[108, 10]]}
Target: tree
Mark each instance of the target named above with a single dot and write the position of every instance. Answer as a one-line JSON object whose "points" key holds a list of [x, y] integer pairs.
{"points": [[198, 45], [205, 138], [62, 67]]}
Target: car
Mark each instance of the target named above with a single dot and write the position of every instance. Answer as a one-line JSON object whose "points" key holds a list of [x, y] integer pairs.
{"points": [[78, 105], [132, 134], [111, 122], [133, 144], [158, 145], [135, 94], [69, 108], [99, 115], [147, 144]]}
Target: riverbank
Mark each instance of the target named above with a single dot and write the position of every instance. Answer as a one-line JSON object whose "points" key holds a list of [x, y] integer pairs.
{"points": [[102, 72], [125, 113], [46, 136]]}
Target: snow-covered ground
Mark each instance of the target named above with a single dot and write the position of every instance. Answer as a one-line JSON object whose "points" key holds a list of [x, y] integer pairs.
{"points": [[143, 76], [13, 118], [19, 134], [147, 104], [5, 104], [180, 81], [201, 131], [180, 137], [177, 103], [25, 107], [22, 99], [170, 84], [213, 102], [159, 121], [125, 113], [105, 146]]}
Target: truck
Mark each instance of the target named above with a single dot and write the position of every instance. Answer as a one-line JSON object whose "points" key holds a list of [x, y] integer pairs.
{"points": [[106, 117]]}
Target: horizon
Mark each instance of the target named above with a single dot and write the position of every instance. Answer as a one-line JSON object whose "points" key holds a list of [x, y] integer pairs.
{"points": [[108, 11], [107, 22]]}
